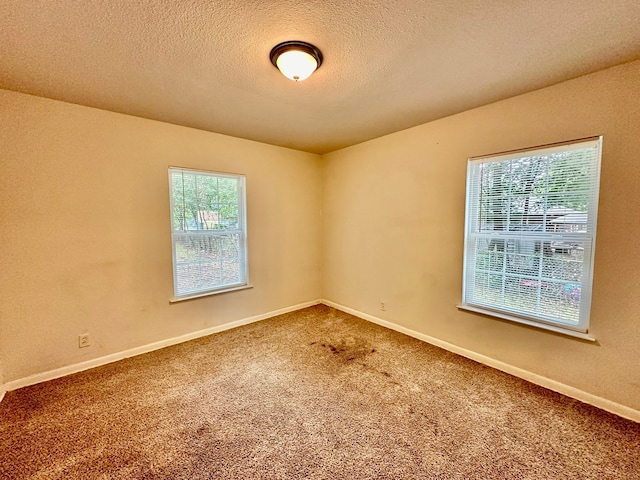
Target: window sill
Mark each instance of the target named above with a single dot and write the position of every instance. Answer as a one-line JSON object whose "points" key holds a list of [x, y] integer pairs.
{"points": [[531, 323], [207, 294]]}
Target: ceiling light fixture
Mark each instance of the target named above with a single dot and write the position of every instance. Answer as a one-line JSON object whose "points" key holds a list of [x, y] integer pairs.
{"points": [[296, 60]]}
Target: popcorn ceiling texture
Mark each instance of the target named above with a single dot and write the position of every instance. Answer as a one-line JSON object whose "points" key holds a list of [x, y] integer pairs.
{"points": [[388, 65], [312, 394]]}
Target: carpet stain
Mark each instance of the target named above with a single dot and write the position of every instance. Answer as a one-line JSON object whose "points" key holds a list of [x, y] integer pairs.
{"points": [[203, 429], [348, 350]]}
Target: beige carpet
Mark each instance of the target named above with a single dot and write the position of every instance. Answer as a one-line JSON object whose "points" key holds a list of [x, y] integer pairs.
{"points": [[312, 394]]}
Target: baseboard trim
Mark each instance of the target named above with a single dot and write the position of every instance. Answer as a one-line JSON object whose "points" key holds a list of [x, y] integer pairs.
{"points": [[603, 403], [132, 352]]}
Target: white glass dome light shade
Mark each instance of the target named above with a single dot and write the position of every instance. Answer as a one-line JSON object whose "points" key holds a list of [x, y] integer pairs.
{"points": [[296, 65], [296, 60]]}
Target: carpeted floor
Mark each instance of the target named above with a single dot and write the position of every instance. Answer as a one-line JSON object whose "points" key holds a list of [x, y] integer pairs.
{"points": [[312, 394]]}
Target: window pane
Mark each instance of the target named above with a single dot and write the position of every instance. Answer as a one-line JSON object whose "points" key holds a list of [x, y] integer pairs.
{"points": [[228, 190], [230, 271], [193, 248], [229, 246]]}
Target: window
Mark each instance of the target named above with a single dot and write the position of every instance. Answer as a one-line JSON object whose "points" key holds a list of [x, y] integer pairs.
{"points": [[208, 232], [530, 234]]}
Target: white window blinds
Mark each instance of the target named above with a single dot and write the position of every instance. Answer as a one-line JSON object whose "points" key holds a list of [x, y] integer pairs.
{"points": [[208, 231], [530, 233]]}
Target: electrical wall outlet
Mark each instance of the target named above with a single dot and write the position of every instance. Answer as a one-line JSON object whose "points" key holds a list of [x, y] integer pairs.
{"points": [[83, 340]]}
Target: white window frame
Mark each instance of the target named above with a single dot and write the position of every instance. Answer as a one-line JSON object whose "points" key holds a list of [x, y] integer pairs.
{"points": [[475, 233], [239, 229]]}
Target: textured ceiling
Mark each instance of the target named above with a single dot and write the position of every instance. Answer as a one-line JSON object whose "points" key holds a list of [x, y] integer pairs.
{"points": [[388, 65]]}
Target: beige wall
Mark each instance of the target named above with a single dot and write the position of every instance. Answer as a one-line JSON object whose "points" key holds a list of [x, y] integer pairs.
{"points": [[84, 216], [393, 215]]}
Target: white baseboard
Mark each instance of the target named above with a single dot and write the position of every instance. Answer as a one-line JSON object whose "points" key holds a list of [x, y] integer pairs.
{"points": [[96, 362], [603, 403]]}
